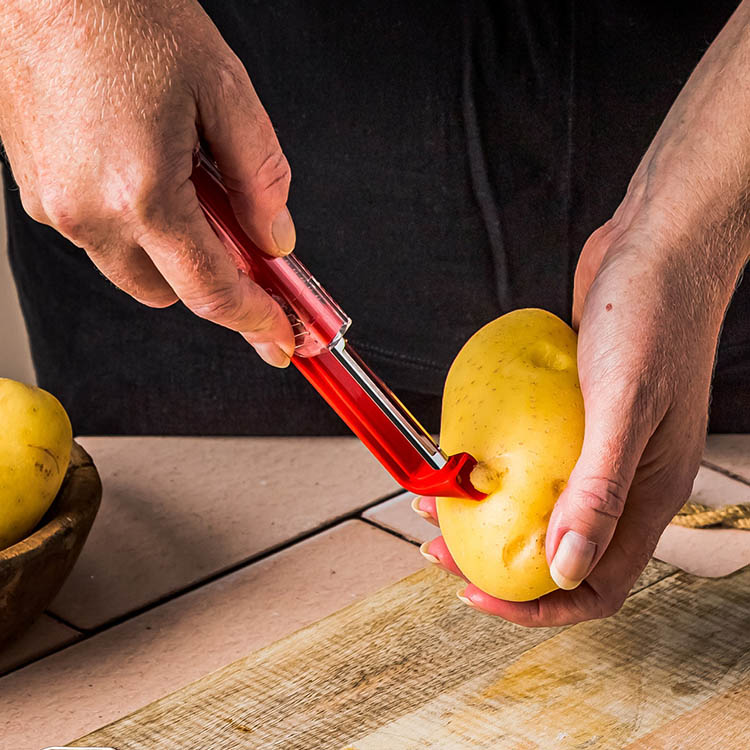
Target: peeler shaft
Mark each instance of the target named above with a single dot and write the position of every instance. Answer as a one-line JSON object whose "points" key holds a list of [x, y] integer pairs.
{"points": [[324, 357]]}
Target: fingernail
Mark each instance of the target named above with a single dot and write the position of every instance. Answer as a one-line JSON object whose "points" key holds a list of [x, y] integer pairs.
{"points": [[464, 599], [427, 556], [284, 234], [272, 354], [572, 560], [288, 350], [415, 507]]}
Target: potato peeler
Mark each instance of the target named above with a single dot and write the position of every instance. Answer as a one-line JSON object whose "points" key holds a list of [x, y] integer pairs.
{"points": [[323, 355]]}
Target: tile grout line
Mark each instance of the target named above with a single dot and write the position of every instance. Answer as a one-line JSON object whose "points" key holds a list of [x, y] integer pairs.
{"points": [[63, 621], [393, 532], [417, 544], [726, 472], [87, 633]]}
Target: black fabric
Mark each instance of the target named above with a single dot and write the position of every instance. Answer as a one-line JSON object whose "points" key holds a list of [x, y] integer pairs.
{"points": [[449, 161]]}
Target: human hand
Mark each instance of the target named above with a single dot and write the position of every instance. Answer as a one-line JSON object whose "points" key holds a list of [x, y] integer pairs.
{"points": [[101, 106], [651, 289], [648, 323]]}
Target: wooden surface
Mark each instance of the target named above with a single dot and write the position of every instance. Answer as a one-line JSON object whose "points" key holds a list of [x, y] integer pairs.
{"points": [[33, 570], [411, 667], [204, 550], [177, 558]]}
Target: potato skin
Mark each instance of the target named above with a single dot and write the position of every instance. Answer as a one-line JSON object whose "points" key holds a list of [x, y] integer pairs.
{"points": [[35, 444], [513, 401]]}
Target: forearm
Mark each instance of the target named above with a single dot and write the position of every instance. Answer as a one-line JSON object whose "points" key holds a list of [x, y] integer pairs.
{"points": [[693, 184]]}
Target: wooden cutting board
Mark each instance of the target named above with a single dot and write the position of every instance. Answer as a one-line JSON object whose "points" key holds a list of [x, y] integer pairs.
{"points": [[411, 667]]}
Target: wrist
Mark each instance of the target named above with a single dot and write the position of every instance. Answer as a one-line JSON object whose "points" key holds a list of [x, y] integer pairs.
{"points": [[706, 238], [691, 192]]}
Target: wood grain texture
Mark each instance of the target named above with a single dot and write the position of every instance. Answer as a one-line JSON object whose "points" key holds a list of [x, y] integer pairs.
{"points": [[412, 667], [607, 685], [33, 570]]}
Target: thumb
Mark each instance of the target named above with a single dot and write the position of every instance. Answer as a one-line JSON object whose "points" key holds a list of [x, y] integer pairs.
{"points": [[253, 167], [586, 513]]}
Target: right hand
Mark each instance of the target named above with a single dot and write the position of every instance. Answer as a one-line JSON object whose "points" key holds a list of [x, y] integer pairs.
{"points": [[101, 106]]}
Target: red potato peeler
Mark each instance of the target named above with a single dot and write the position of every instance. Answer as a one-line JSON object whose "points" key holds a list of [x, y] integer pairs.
{"points": [[370, 409]]}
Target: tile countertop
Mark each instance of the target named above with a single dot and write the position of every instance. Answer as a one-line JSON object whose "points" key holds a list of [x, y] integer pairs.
{"points": [[204, 549], [208, 548]]}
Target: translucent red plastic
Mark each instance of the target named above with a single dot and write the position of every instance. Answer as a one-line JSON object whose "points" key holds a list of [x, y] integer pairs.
{"points": [[318, 321], [382, 437]]}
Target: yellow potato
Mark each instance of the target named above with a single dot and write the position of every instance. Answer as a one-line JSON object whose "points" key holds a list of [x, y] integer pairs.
{"points": [[35, 443], [512, 400]]}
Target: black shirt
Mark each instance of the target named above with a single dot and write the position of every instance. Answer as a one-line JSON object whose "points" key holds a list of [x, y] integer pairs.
{"points": [[449, 160]]}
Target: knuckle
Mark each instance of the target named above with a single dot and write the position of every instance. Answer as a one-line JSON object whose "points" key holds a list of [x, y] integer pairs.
{"points": [[124, 200], [63, 212], [265, 315], [222, 305], [145, 206], [144, 201], [604, 496], [605, 503], [223, 86], [600, 237], [232, 80], [147, 195], [273, 176], [33, 206]]}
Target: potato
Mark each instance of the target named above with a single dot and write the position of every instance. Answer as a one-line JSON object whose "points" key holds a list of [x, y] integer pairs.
{"points": [[35, 443], [512, 400]]}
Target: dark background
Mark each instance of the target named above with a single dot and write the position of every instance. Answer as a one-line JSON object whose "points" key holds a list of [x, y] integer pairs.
{"points": [[449, 160]]}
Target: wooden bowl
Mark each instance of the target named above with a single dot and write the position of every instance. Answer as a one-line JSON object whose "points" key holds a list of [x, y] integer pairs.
{"points": [[33, 570]]}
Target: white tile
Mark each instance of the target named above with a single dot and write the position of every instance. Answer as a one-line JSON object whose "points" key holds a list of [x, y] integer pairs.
{"points": [[178, 510], [710, 552], [396, 514], [92, 683], [730, 452], [44, 636]]}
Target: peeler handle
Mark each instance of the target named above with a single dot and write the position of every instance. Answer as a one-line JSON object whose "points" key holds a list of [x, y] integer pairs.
{"points": [[316, 319], [322, 355]]}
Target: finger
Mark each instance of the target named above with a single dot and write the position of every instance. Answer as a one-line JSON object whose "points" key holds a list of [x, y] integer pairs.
{"points": [[605, 589], [552, 610], [652, 501], [129, 268], [121, 260], [586, 513], [426, 507], [253, 167], [588, 264], [436, 552], [190, 256]]}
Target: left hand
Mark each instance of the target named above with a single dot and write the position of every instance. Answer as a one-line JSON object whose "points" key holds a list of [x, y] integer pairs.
{"points": [[652, 286], [649, 320]]}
